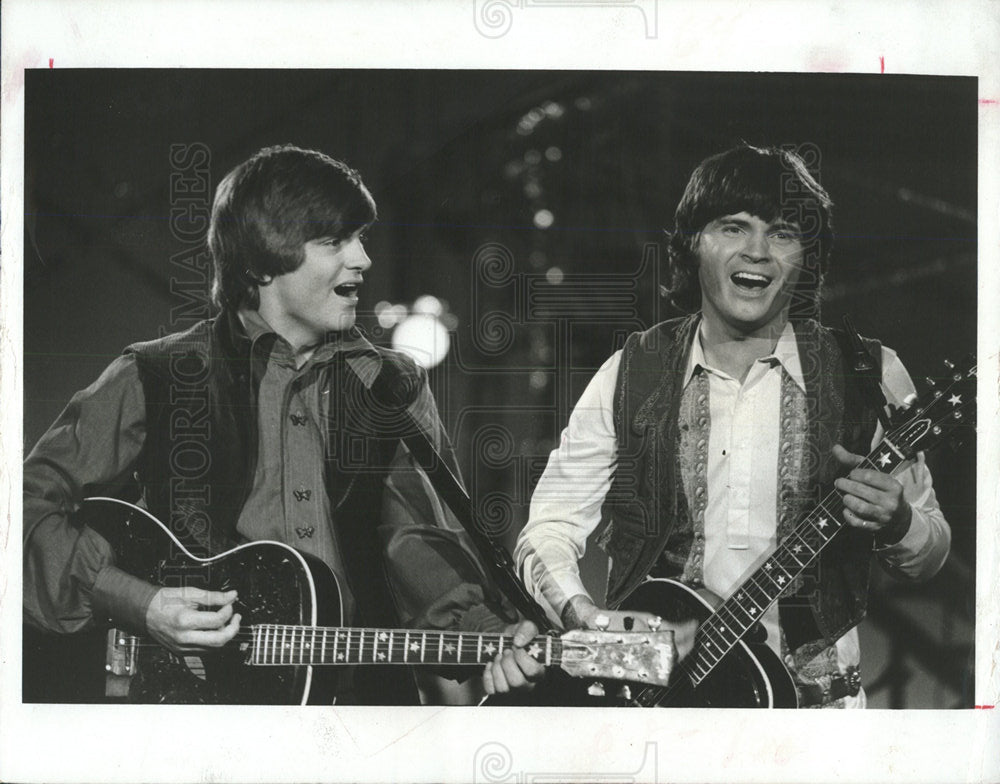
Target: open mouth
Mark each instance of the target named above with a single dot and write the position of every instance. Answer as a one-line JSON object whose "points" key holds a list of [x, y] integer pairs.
{"points": [[347, 289], [750, 280]]}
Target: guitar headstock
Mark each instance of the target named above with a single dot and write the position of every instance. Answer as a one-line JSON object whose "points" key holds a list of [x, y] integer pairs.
{"points": [[948, 415], [642, 657]]}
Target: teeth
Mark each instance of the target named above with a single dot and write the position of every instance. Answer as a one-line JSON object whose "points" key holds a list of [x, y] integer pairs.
{"points": [[750, 278]]}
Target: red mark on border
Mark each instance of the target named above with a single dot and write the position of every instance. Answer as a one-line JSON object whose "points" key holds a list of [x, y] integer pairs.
{"points": [[988, 101], [881, 62], [50, 62], [984, 707]]}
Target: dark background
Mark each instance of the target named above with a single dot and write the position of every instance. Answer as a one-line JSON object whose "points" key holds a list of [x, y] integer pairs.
{"points": [[460, 163]]}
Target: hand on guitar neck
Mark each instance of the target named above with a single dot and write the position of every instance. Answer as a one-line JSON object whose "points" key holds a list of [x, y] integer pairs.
{"points": [[177, 618], [580, 612], [514, 669]]}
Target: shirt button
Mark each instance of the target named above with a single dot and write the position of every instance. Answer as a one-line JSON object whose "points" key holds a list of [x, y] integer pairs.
{"points": [[302, 494]]}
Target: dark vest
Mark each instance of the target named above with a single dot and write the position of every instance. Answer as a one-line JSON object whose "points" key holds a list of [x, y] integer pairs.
{"points": [[198, 461], [646, 503]]}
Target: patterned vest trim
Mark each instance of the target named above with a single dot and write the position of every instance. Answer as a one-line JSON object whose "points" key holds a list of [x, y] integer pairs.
{"points": [[198, 461], [648, 510]]}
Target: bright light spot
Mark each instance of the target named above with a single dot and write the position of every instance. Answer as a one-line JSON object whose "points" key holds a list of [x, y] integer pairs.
{"points": [[583, 103], [553, 154], [554, 275], [429, 305], [553, 109], [532, 190], [538, 380], [389, 315], [422, 337], [532, 157], [536, 116], [544, 219]]}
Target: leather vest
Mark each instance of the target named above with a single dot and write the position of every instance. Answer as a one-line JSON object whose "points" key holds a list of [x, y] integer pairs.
{"points": [[198, 461], [646, 503]]}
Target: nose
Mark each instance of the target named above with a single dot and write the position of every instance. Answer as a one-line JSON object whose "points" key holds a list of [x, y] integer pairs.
{"points": [[757, 247], [359, 259]]}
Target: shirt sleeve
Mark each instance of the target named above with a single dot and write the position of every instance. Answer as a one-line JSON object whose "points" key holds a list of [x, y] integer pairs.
{"points": [[923, 550], [436, 576], [69, 576], [566, 505]]}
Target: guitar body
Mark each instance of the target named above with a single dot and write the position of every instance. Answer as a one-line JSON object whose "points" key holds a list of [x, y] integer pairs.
{"points": [[275, 584], [750, 676]]}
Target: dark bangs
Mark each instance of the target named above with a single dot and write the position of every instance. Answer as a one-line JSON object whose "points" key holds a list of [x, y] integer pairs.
{"points": [[770, 184]]}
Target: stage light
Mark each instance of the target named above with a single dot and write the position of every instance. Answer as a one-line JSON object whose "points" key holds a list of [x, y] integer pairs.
{"points": [[544, 219], [532, 189], [554, 275], [424, 338], [532, 157], [553, 109], [538, 380], [428, 305], [389, 315], [553, 154]]}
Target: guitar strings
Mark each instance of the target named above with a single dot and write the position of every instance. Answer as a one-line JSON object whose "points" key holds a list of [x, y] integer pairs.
{"points": [[651, 695]]}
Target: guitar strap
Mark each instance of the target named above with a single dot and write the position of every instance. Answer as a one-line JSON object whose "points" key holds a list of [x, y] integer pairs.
{"points": [[866, 371], [391, 392]]}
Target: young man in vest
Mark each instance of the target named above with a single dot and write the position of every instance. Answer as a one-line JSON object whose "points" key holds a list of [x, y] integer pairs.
{"points": [[706, 439], [290, 455]]}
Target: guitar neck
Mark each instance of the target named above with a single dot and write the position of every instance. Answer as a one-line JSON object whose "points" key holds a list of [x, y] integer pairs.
{"points": [[737, 615], [276, 644]]}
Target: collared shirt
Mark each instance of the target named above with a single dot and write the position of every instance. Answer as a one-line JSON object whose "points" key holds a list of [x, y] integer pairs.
{"points": [[69, 574], [288, 501], [740, 518]]}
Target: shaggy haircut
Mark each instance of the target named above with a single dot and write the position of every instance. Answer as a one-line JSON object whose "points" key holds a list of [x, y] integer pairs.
{"points": [[770, 183], [268, 207]]}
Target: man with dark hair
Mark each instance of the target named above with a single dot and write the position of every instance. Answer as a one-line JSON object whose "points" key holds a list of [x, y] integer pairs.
{"points": [[288, 458], [702, 443]]}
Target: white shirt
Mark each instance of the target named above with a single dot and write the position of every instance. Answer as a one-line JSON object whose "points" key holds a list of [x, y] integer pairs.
{"points": [[740, 518]]}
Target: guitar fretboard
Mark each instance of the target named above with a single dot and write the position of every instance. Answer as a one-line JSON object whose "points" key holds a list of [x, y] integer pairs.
{"points": [[276, 644], [734, 618]]}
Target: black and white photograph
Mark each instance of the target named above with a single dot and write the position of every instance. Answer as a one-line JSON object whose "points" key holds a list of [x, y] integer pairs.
{"points": [[453, 409]]}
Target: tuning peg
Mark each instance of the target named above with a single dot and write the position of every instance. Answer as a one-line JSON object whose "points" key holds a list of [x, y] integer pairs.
{"points": [[655, 623], [602, 622], [625, 693], [596, 689]]}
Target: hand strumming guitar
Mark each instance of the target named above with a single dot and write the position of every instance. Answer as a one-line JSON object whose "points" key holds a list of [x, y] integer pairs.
{"points": [[580, 612], [176, 618]]}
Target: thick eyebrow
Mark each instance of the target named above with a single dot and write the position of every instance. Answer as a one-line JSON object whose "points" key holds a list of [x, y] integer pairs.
{"points": [[789, 226]]}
